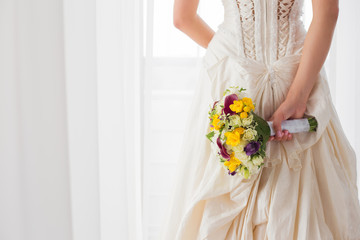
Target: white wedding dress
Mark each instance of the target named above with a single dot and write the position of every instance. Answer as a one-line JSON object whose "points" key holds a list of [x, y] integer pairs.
{"points": [[307, 187]]}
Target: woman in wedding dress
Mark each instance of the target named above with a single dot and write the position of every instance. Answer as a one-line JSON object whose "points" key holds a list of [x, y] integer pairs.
{"points": [[307, 186]]}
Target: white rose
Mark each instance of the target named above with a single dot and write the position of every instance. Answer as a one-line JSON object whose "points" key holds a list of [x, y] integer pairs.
{"points": [[235, 120], [251, 166], [241, 155], [257, 160], [249, 134], [240, 146], [247, 121]]}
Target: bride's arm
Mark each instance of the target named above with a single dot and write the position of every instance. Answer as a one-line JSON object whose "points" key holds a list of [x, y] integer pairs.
{"points": [[316, 47], [186, 19]]}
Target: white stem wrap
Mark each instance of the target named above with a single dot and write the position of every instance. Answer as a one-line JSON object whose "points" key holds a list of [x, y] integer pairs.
{"points": [[292, 125]]}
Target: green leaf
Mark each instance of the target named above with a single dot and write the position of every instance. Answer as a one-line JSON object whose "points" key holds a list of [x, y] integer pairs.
{"points": [[262, 128], [212, 113], [226, 91], [222, 128], [242, 89], [210, 135], [245, 172]]}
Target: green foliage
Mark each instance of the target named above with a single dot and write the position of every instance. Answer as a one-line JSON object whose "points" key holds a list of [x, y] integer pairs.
{"points": [[212, 113], [313, 124], [210, 135], [263, 131], [262, 127], [241, 89], [245, 172], [226, 91], [234, 87]]}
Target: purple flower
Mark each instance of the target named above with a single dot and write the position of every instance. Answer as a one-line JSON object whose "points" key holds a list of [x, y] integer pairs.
{"points": [[223, 151], [232, 173], [252, 147], [228, 101]]}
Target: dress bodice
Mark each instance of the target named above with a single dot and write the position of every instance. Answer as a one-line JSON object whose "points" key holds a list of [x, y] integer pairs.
{"points": [[266, 30]]}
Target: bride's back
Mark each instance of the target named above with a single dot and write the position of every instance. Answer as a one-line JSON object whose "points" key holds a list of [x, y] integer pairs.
{"points": [[264, 30]]}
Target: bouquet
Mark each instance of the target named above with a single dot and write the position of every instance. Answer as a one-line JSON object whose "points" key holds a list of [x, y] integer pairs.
{"points": [[239, 136]]}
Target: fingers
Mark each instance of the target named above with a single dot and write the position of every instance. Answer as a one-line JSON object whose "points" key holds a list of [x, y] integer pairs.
{"points": [[277, 127], [290, 137], [287, 136]]}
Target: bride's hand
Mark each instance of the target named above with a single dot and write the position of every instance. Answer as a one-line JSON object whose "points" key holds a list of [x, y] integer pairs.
{"points": [[291, 108]]}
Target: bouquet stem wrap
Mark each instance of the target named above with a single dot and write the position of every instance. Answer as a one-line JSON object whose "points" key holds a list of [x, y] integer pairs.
{"points": [[296, 125]]}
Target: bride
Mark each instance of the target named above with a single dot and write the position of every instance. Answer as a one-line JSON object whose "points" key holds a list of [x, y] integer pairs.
{"points": [[307, 186]]}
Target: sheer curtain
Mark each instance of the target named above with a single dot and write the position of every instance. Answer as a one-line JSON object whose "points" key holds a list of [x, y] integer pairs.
{"points": [[120, 70], [48, 151], [70, 115], [35, 198]]}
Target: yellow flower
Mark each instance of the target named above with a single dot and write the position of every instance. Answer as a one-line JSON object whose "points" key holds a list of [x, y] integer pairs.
{"points": [[247, 101], [233, 163], [247, 109], [248, 104], [243, 115], [237, 106], [233, 138], [215, 122], [239, 130]]}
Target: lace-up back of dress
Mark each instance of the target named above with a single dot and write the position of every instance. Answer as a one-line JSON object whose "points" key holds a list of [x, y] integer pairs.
{"points": [[248, 21], [284, 8]]}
